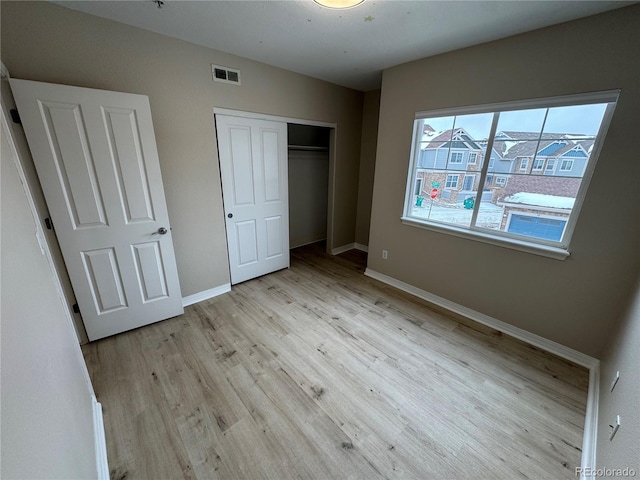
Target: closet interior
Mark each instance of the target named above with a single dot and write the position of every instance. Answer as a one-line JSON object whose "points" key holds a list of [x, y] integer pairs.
{"points": [[308, 183]]}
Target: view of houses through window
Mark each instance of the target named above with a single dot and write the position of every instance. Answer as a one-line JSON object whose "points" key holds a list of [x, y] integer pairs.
{"points": [[526, 185]]}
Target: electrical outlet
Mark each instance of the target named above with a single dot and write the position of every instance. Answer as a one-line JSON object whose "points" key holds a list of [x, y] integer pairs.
{"points": [[615, 380], [385, 254], [614, 428]]}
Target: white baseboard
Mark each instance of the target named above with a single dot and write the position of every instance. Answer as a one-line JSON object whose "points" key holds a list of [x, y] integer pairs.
{"points": [[343, 248], [349, 246], [591, 415], [100, 441], [291, 247], [361, 247], [207, 294], [531, 338]]}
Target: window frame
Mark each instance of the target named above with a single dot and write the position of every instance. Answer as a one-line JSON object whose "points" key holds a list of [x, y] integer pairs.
{"points": [[568, 160], [446, 181], [452, 153], [417, 191], [500, 180], [533, 165], [464, 181], [524, 164], [551, 165], [473, 155], [556, 250]]}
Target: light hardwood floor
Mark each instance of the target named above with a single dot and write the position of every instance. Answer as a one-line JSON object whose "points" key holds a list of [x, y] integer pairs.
{"points": [[320, 372]]}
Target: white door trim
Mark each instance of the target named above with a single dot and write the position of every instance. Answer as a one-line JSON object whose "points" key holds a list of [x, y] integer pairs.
{"points": [[44, 245], [332, 154], [273, 118], [41, 209]]}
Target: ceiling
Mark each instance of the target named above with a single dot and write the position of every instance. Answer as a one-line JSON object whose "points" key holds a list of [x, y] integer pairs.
{"points": [[347, 47]]}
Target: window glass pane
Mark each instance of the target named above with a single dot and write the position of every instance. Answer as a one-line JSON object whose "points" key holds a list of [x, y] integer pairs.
{"points": [[545, 168], [521, 124], [448, 165], [442, 197], [435, 138], [579, 122], [532, 174]]}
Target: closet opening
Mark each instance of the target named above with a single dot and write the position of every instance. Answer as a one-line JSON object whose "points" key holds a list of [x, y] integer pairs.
{"points": [[309, 159]]}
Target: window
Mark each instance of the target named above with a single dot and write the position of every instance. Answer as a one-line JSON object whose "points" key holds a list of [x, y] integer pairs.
{"points": [[566, 165], [418, 187], [452, 181], [456, 157], [529, 212]]}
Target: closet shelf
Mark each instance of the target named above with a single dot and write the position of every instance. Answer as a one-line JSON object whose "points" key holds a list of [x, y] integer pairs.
{"points": [[308, 148]]}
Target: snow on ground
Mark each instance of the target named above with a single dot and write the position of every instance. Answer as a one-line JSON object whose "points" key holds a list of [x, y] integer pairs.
{"points": [[540, 200], [489, 216]]}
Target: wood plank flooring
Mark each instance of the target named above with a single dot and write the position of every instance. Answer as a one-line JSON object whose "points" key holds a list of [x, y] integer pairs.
{"points": [[319, 372]]}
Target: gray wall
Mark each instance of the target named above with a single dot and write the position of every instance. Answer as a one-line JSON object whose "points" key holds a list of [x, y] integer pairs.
{"points": [[46, 418], [573, 301], [308, 190], [622, 353], [307, 135], [370, 113], [45, 42]]}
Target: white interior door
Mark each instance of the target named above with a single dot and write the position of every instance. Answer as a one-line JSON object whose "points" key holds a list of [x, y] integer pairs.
{"points": [[253, 166], [96, 157]]}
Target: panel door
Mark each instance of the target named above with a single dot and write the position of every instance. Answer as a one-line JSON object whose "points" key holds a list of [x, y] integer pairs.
{"points": [[96, 157], [253, 166]]}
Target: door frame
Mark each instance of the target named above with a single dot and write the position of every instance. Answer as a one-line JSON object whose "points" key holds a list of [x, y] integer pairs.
{"points": [[36, 199], [40, 234], [300, 121]]}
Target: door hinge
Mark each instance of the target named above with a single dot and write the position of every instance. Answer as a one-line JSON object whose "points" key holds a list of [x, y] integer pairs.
{"points": [[48, 223], [76, 308], [15, 116]]}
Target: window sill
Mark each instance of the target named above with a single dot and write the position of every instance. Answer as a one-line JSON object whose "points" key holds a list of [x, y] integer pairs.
{"points": [[520, 245]]}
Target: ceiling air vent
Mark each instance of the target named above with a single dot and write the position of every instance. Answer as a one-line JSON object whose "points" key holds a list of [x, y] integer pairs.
{"points": [[225, 74]]}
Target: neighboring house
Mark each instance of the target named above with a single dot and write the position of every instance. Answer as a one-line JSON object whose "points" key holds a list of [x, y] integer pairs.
{"points": [[534, 179], [538, 206], [445, 154], [562, 155]]}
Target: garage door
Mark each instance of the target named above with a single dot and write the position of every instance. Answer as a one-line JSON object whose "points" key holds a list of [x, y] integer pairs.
{"points": [[545, 228]]}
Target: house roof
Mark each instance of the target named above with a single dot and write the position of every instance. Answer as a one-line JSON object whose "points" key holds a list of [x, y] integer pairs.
{"points": [[525, 148], [508, 144], [541, 200], [541, 184], [511, 144], [451, 138]]}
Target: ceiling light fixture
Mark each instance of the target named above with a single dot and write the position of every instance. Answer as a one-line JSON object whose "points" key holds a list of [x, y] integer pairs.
{"points": [[339, 4]]}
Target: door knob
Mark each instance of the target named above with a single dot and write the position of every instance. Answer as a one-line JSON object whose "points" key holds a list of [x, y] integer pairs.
{"points": [[230, 215], [162, 230]]}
